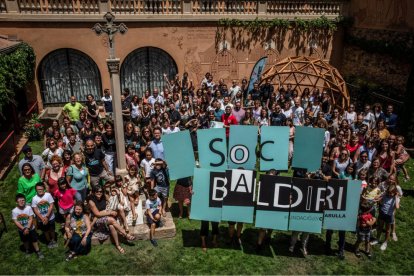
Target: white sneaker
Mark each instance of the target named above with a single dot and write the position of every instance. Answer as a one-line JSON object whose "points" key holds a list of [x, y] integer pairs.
{"points": [[394, 237], [383, 246], [374, 242], [291, 249]]}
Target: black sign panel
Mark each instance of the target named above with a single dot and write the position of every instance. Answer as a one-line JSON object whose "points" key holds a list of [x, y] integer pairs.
{"points": [[240, 188], [308, 195], [218, 189], [274, 193], [336, 191]]}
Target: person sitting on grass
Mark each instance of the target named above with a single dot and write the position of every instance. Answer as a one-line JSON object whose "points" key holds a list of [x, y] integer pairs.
{"points": [[153, 210], [65, 196], [104, 219], [365, 223], [160, 182], [78, 232], [22, 217], [42, 204]]}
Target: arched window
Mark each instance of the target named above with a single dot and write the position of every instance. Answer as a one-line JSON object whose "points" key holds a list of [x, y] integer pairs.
{"points": [[66, 72], [144, 68]]}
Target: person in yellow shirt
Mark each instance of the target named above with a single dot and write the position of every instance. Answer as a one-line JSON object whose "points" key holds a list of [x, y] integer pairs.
{"points": [[382, 129], [73, 109]]}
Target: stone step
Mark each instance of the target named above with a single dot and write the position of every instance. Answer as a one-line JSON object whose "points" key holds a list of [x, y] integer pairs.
{"points": [[142, 231]]}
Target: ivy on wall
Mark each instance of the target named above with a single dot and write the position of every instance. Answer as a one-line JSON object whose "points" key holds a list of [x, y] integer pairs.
{"points": [[16, 71], [242, 33]]}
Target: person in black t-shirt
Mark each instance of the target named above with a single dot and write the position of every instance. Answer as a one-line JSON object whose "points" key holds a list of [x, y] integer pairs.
{"points": [[277, 118], [266, 91], [109, 146], [97, 166], [255, 92]]}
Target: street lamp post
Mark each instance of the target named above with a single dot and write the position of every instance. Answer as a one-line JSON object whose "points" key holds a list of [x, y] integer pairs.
{"points": [[110, 29]]}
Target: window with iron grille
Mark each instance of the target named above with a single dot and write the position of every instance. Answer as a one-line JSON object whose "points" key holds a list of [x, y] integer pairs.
{"points": [[66, 72], [144, 69]]}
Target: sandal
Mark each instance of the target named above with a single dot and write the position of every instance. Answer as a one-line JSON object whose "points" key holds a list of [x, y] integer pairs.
{"points": [[120, 249], [130, 237], [135, 217]]}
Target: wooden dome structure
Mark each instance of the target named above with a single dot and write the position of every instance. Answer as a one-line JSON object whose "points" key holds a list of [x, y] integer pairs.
{"points": [[309, 72]]}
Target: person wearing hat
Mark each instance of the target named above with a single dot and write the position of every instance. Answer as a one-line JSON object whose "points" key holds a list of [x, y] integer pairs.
{"points": [[34, 160]]}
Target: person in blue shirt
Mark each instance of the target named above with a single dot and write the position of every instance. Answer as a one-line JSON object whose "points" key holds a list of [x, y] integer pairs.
{"points": [[391, 119], [156, 144]]}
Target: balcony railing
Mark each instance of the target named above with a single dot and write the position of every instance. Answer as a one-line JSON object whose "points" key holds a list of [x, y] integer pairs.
{"points": [[59, 6], [178, 9], [223, 7]]}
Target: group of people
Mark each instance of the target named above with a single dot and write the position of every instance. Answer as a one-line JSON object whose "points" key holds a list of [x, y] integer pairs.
{"points": [[76, 171]]}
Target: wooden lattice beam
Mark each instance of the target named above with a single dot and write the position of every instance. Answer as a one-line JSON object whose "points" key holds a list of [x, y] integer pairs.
{"points": [[314, 70]]}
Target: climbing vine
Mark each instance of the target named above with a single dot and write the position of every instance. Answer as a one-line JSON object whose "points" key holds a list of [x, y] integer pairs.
{"points": [[243, 32], [16, 71]]}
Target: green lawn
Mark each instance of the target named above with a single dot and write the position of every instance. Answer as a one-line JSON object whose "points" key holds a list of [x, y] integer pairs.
{"points": [[182, 255]]}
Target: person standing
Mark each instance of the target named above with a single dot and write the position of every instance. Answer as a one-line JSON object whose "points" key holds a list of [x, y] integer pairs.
{"points": [[228, 119], [73, 109], [156, 145], [97, 166], [22, 217], [107, 101], [298, 114], [42, 205], [27, 182], [35, 161]]}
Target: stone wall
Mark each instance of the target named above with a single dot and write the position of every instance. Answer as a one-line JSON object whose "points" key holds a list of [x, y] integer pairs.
{"points": [[375, 66]]}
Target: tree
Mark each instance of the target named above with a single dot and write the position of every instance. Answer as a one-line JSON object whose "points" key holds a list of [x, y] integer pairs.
{"points": [[16, 72]]}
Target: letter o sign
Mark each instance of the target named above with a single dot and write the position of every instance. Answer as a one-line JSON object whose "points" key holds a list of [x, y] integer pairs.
{"points": [[233, 154]]}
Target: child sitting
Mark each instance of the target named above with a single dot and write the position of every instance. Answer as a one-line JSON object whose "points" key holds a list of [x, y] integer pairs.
{"points": [[160, 182], [118, 201], [153, 209], [365, 223]]}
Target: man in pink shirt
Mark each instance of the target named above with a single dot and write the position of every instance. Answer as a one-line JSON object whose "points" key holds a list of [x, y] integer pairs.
{"points": [[238, 112]]}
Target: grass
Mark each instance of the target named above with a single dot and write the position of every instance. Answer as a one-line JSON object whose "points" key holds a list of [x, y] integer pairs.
{"points": [[182, 254]]}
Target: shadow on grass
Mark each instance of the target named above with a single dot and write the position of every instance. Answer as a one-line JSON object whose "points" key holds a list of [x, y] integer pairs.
{"points": [[409, 193], [175, 211]]}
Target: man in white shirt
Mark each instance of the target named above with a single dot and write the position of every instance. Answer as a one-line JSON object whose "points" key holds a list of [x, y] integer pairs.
{"points": [[369, 118], [155, 97], [234, 89], [298, 114]]}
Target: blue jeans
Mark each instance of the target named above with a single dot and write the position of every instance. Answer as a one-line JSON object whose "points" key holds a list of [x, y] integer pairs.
{"points": [[76, 246], [81, 195]]}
